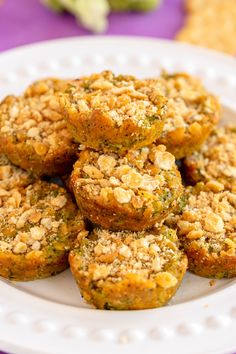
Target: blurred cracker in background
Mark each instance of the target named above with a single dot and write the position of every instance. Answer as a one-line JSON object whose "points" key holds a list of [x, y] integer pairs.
{"points": [[210, 23]]}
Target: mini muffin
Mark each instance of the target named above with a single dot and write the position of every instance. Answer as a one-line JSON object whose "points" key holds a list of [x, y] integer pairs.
{"points": [[215, 161], [38, 225], [126, 193], [33, 132], [207, 231], [128, 270], [12, 176], [192, 113], [111, 113]]}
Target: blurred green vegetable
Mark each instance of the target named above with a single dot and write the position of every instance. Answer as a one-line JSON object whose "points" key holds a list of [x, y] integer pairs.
{"points": [[54, 5], [137, 5], [92, 14]]}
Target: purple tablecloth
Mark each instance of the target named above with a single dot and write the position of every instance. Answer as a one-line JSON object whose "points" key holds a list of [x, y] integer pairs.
{"points": [[27, 21]]}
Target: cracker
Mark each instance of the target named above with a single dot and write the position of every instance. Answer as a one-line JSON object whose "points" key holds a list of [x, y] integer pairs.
{"points": [[210, 24]]}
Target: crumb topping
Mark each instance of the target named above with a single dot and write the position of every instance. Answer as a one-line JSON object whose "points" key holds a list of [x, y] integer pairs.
{"points": [[34, 218], [113, 255], [189, 104], [120, 97], [36, 118], [208, 220], [48, 86], [217, 158], [12, 176], [136, 178]]}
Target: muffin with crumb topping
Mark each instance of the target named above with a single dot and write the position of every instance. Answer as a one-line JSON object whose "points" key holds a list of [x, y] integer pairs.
{"points": [[215, 161], [33, 132], [128, 270], [192, 113], [132, 192], [207, 231], [112, 113], [38, 225]]}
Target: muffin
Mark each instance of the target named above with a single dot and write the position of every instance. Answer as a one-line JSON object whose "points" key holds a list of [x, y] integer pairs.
{"points": [[126, 193], [128, 270], [33, 132], [38, 225], [191, 115], [216, 160], [111, 113], [207, 231]]}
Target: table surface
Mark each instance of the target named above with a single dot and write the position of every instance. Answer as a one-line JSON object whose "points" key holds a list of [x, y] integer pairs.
{"points": [[27, 21]]}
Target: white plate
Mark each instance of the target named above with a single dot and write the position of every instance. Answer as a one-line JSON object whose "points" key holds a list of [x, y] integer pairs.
{"points": [[48, 316]]}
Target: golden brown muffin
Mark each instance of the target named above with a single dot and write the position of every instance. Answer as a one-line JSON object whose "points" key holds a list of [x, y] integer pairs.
{"points": [[207, 231], [192, 113], [128, 270], [33, 132], [38, 225], [111, 113], [126, 193], [216, 160]]}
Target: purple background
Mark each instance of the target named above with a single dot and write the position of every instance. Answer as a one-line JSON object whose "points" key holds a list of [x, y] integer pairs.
{"points": [[27, 21]]}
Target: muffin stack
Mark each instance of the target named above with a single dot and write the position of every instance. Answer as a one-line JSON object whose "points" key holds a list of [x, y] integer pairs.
{"points": [[39, 221], [125, 134], [124, 183], [207, 224]]}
